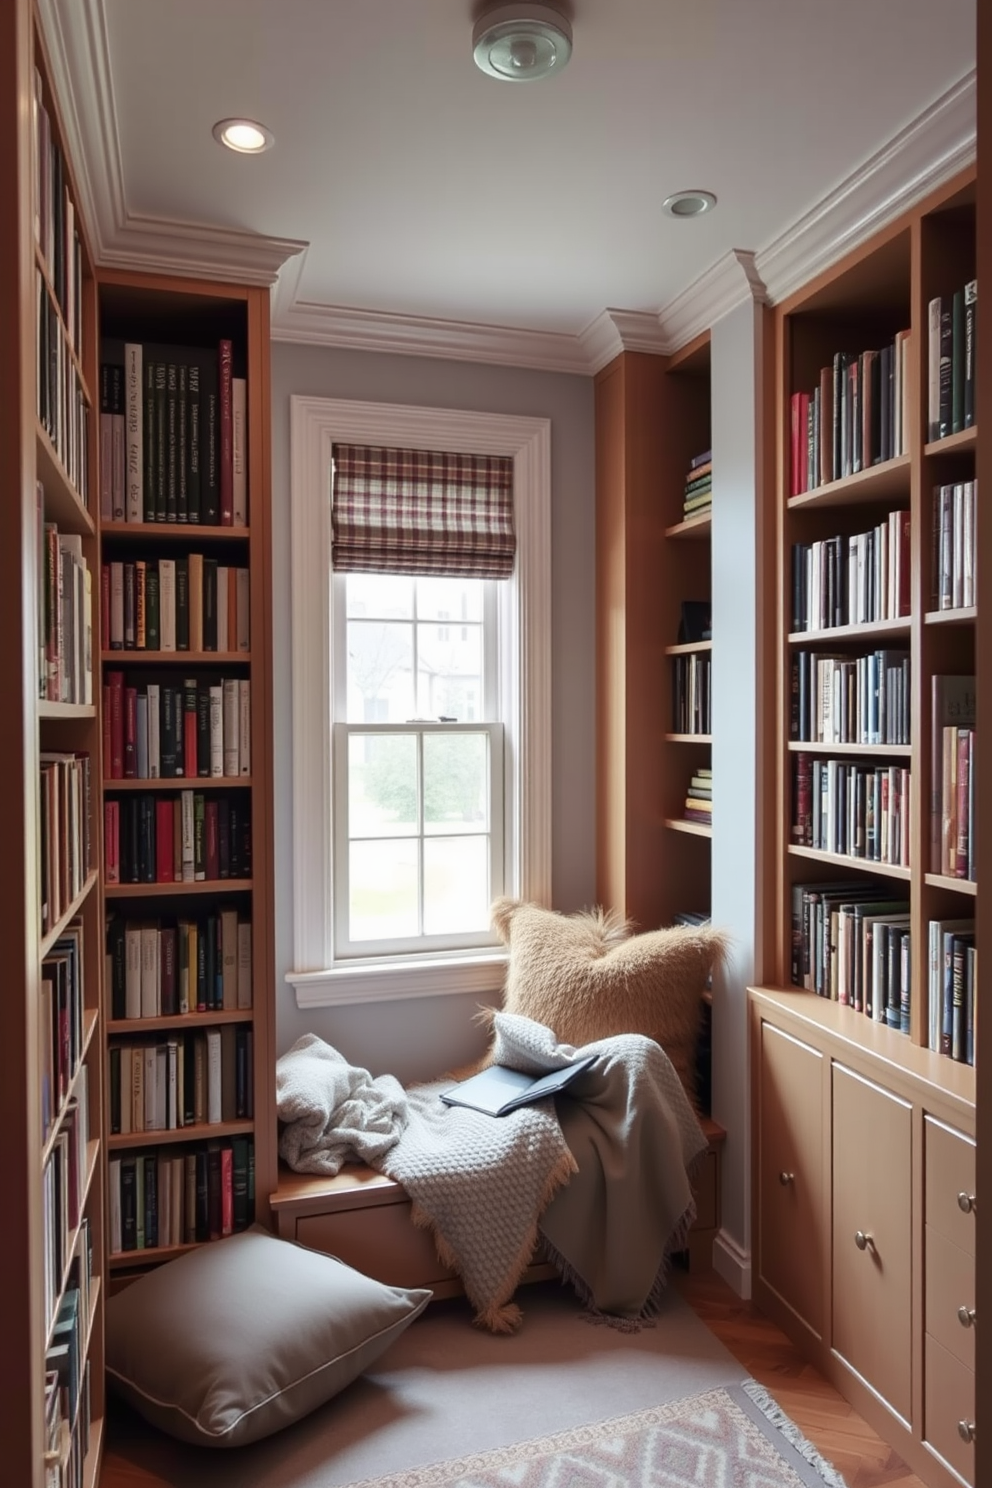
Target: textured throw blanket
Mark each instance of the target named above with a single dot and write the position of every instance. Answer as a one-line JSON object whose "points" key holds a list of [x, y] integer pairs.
{"points": [[603, 1180]]}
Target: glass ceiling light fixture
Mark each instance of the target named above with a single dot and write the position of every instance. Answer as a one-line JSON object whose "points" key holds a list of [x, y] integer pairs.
{"points": [[688, 203], [243, 135], [522, 42]]}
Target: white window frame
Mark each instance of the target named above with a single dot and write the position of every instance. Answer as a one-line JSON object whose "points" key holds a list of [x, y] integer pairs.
{"points": [[316, 424]]}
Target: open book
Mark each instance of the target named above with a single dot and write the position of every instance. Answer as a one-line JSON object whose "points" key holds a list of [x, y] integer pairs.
{"points": [[497, 1090]]}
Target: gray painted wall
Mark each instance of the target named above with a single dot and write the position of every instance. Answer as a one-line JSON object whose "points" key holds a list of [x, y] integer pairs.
{"points": [[418, 1038], [736, 351]]}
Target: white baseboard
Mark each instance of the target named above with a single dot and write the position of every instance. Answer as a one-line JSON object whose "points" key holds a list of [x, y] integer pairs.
{"points": [[732, 1263]]}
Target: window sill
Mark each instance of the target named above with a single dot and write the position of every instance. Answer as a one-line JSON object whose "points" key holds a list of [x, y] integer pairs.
{"points": [[391, 981]]}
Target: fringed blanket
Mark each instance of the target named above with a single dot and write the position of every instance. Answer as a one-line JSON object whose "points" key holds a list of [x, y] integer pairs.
{"points": [[603, 1180]]}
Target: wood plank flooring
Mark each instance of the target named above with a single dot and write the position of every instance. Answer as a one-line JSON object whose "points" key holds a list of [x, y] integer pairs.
{"points": [[820, 1412], [816, 1407]]}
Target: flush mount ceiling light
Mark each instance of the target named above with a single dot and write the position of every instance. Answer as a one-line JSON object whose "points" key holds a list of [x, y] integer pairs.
{"points": [[243, 135], [521, 43], [688, 203]]}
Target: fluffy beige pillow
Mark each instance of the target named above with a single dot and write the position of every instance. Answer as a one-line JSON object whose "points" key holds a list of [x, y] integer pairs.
{"points": [[587, 976]]}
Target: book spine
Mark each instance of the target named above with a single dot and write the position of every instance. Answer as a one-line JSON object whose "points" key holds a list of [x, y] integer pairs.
{"points": [[135, 393], [226, 433]]}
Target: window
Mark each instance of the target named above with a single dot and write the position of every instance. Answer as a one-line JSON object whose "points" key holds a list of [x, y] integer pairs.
{"points": [[468, 800]]}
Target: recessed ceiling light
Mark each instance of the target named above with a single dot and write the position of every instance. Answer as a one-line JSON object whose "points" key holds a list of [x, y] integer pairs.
{"points": [[521, 42], [243, 135], [688, 203]]}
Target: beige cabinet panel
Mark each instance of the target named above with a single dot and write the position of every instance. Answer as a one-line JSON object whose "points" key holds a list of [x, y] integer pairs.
{"points": [[381, 1241], [949, 1408], [950, 1183], [872, 1235], [790, 1181], [950, 1297]]}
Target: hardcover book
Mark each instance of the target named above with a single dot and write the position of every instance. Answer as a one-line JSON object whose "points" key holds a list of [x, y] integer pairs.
{"points": [[499, 1090]]}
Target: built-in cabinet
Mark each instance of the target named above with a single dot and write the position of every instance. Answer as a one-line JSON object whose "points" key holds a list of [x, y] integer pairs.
{"points": [[864, 1032]]}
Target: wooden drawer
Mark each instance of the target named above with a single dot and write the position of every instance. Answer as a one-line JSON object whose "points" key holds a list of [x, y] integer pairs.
{"points": [[950, 1183], [950, 1275], [872, 1235], [790, 1177], [949, 1400]]}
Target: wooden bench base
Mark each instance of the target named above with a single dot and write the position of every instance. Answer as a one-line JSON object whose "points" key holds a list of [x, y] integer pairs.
{"points": [[363, 1218]]}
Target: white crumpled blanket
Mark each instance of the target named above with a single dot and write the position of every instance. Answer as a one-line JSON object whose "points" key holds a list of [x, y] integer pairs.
{"points": [[334, 1111]]}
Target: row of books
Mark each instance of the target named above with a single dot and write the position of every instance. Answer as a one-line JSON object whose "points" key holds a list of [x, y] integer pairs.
{"points": [[66, 831], [173, 428], [190, 603], [67, 1385], [55, 227], [64, 1181], [187, 837], [164, 968], [65, 651], [953, 757], [199, 728], [60, 1012], [697, 497], [698, 805], [691, 693], [63, 411], [857, 416], [852, 809], [953, 558], [952, 326], [162, 1198], [851, 943], [952, 971], [853, 579], [199, 1077], [838, 699]]}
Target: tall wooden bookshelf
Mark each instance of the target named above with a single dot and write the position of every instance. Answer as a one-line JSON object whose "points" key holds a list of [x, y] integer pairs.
{"points": [[864, 1066], [652, 419], [51, 1094], [176, 322]]}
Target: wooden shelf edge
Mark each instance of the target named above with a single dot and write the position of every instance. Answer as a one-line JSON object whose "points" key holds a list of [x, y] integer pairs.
{"points": [[901, 625], [963, 615], [91, 1019], [177, 890], [951, 443], [688, 738], [179, 1135], [132, 658], [955, 885], [179, 783], [691, 527], [878, 483], [804, 746], [867, 865], [51, 936], [178, 1020], [686, 648], [695, 829], [178, 530]]}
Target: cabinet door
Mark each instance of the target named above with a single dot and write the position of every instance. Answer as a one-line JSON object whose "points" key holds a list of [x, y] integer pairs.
{"points": [[872, 1235], [790, 1182]]}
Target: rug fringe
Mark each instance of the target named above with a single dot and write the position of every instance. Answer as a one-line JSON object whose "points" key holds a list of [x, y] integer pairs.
{"points": [[777, 1416]]}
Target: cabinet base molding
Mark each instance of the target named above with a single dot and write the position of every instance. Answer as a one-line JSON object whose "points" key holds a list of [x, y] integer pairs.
{"points": [[733, 1263]]}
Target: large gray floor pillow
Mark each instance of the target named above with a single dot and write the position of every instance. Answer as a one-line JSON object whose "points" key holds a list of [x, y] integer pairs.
{"points": [[243, 1336]]}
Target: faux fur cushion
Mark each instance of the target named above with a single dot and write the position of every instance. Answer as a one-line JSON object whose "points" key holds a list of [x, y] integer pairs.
{"points": [[587, 976]]}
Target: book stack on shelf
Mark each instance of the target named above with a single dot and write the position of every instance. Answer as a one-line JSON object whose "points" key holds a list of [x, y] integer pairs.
{"points": [[698, 497], [952, 566], [953, 769], [691, 699], [699, 798], [952, 324], [172, 434], [855, 417], [850, 699], [952, 977], [856, 578], [185, 1047]]}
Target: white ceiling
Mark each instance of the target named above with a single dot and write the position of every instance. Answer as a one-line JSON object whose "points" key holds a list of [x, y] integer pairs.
{"points": [[416, 202]]}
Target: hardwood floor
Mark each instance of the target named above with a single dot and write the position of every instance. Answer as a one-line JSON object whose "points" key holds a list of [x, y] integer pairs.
{"points": [[823, 1415]]}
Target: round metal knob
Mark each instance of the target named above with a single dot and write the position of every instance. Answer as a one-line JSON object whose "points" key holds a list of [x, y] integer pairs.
{"points": [[863, 1241], [966, 1430], [966, 1317], [966, 1203], [786, 1178]]}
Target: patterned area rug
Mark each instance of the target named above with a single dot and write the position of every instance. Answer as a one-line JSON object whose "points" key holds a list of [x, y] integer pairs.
{"points": [[731, 1436]]}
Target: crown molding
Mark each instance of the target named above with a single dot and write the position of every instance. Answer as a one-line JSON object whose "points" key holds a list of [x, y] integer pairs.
{"points": [[937, 144], [76, 39]]}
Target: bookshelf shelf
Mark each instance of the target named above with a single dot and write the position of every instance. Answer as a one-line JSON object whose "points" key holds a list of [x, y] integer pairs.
{"points": [[160, 783], [150, 1255], [966, 615], [189, 533], [872, 751], [694, 829], [863, 865], [695, 529], [880, 629], [688, 738], [92, 1161], [952, 444], [91, 1020], [178, 1020], [188, 659], [63, 504], [58, 930], [687, 648], [68, 712], [179, 1134], [882, 483], [207, 887], [953, 885]]}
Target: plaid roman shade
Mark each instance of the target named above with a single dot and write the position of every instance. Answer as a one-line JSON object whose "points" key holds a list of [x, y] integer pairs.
{"points": [[422, 512]]}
